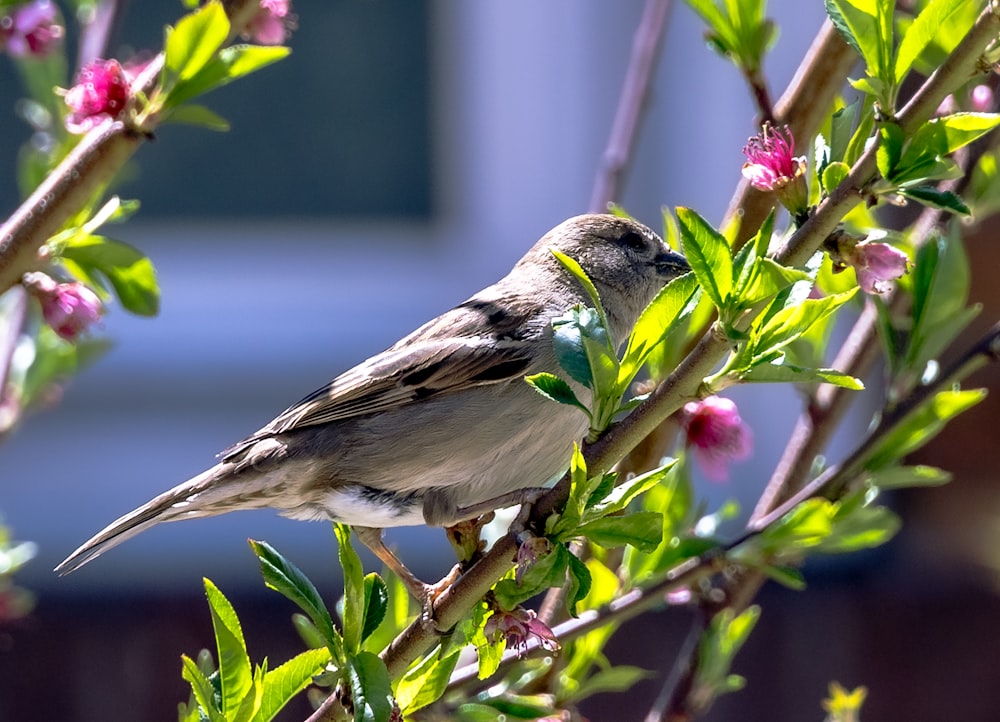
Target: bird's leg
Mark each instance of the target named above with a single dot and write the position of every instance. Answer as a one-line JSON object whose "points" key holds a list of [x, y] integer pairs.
{"points": [[424, 593]]}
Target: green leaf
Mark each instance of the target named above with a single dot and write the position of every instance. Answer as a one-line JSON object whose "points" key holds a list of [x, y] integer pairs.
{"points": [[641, 529], [748, 258], [578, 583], [284, 577], [709, 255], [767, 280], [866, 25], [922, 425], [834, 174], [619, 678], [203, 690], [719, 645], [376, 604], [940, 137], [570, 335], [791, 322], [890, 149], [828, 527], [198, 115], [623, 494], [934, 198], [923, 31], [127, 269], [426, 681], [229, 64], [193, 42], [842, 125], [284, 682], [552, 387], [234, 664], [354, 590], [790, 577], [576, 270], [941, 281], [780, 371], [671, 306], [902, 477], [371, 688]]}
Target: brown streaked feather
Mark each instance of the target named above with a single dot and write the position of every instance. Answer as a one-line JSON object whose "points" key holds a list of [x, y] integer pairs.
{"points": [[426, 363]]}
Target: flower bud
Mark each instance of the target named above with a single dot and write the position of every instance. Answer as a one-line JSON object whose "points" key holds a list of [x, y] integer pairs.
{"points": [[102, 91], [716, 434], [69, 308]]}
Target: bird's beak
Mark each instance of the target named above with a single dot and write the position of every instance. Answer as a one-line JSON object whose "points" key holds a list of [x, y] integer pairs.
{"points": [[670, 264]]}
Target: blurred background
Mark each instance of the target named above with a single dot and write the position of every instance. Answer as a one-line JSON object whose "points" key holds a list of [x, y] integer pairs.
{"points": [[404, 156]]}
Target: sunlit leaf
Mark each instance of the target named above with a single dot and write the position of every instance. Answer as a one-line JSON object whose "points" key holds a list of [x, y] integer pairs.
{"points": [[234, 664], [709, 255]]}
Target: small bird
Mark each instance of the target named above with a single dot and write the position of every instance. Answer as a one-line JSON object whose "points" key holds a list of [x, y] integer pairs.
{"points": [[441, 427]]}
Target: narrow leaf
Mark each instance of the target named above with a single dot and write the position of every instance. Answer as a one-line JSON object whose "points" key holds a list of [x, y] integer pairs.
{"points": [[922, 425], [234, 664], [204, 692], [376, 604], [199, 115], [552, 387], [641, 529], [791, 322], [283, 683], [923, 31], [709, 255], [934, 198], [902, 477], [190, 44], [371, 688], [354, 590], [426, 681], [284, 577], [128, 270]]}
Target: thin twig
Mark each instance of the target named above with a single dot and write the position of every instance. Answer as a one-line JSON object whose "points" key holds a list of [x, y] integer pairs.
{"points": [[635, 94]]}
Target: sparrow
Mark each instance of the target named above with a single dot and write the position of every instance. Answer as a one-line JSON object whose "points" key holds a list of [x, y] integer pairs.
{"points": [[441, 427]]}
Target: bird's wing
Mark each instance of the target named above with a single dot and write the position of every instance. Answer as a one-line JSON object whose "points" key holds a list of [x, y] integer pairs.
{"points": [[426, 363]]}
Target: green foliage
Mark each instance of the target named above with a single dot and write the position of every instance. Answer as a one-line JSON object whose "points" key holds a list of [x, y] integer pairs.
{"points": [[196, 62], [285, 578], [236, 691], [737, 30], [718, 647], [426, 680]]}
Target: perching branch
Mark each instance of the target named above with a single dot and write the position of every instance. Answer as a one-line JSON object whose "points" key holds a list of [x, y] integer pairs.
{"points": [[685, 381]]}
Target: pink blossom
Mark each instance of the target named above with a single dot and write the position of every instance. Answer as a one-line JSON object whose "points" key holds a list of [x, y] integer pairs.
{"points": [[876, 264], [717, 435], [772, 167], [31, 29], [272, 23], [517, 627], [982, 98], [102, 91], [69, 308]]}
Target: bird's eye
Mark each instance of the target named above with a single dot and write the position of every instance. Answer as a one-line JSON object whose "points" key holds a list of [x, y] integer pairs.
{"points": [[634, 241]]}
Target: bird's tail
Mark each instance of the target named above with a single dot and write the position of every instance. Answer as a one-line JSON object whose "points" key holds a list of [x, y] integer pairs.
{"points": [[207, 494]]}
